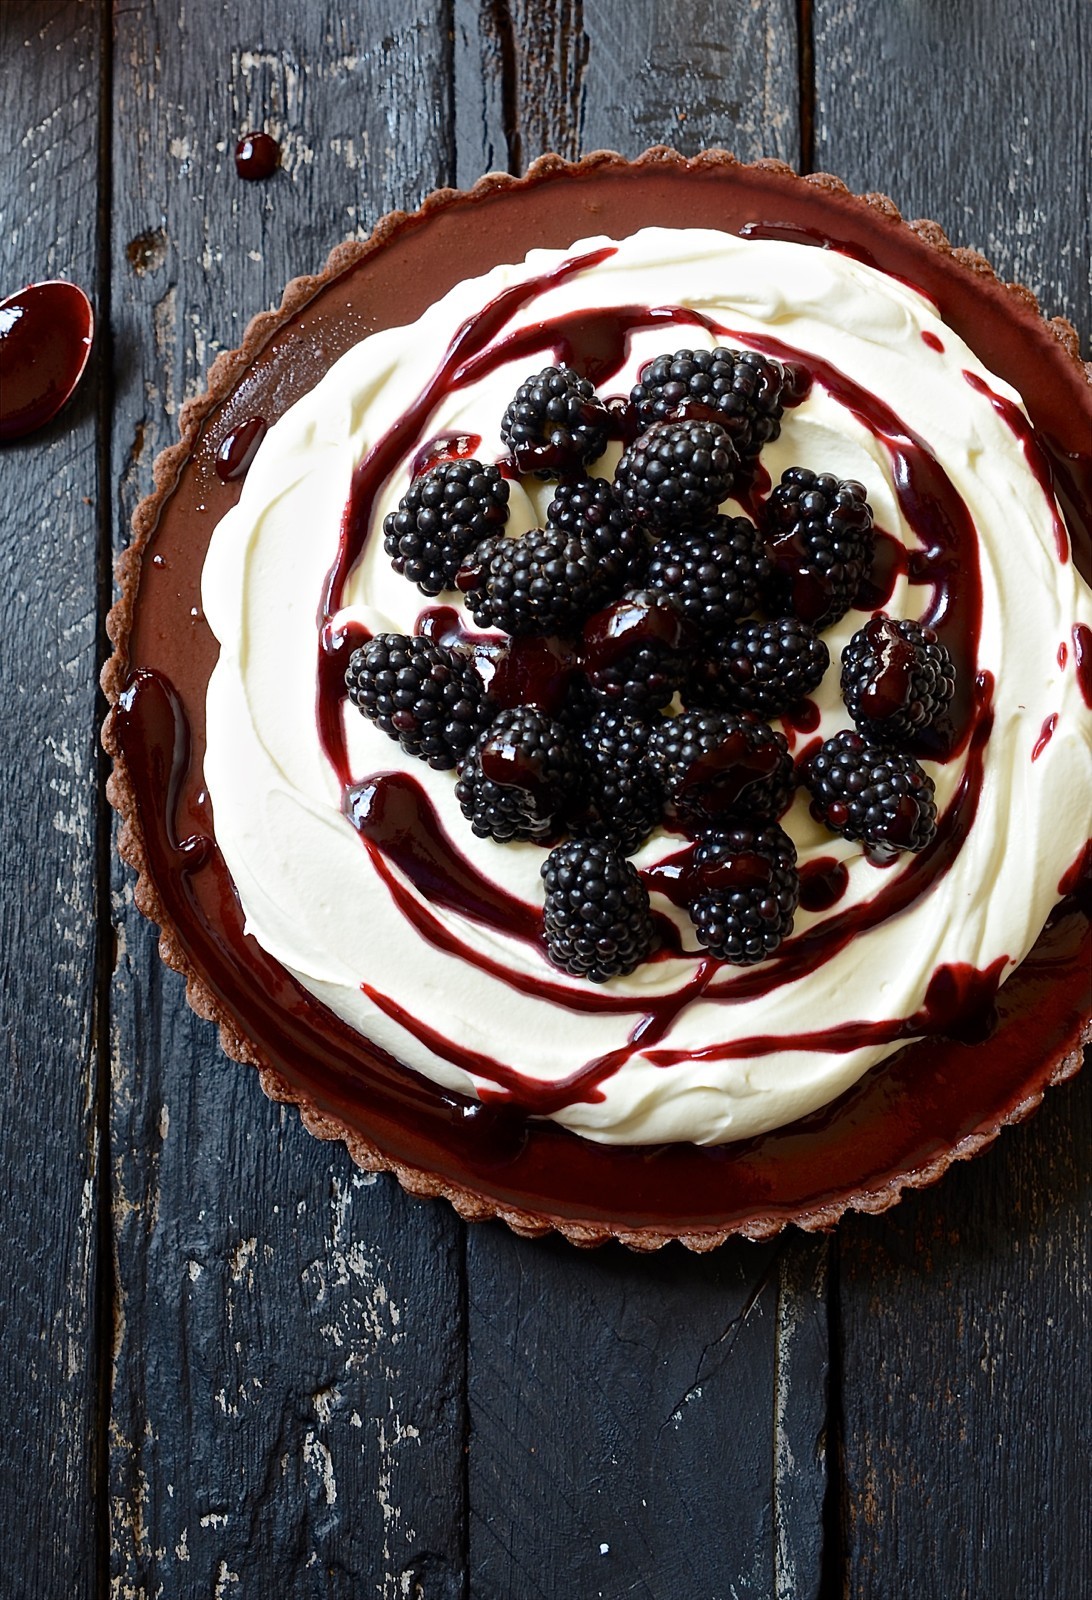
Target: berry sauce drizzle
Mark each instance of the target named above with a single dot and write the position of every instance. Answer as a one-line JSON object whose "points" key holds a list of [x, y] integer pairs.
{"points": [[395, 818], [890, 562], [1082, 659], [531, 670], [888, 689], [445, 447], [1046, 733], [1019, 425], [958, 1004], [398, 824], [239, 449], [794, 233], [823, 882]]}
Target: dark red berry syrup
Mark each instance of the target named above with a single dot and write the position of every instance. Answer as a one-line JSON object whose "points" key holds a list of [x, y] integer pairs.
{"points": [[257, 156], [46, 333]]}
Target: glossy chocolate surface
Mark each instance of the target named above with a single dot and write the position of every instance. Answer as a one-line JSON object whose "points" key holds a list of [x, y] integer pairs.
{"points": [[902, 1116]]}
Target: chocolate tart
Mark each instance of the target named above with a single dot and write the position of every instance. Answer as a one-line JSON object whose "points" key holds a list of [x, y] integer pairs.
{"points": [[903, 1124]]}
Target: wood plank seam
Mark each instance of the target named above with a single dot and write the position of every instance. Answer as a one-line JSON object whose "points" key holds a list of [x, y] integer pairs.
{"points": [[801, 1416], [805, 53], [505, 33], [106, 937]]}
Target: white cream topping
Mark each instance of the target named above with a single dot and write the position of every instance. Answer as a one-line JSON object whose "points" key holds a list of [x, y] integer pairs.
{"points": [[308, 886]]}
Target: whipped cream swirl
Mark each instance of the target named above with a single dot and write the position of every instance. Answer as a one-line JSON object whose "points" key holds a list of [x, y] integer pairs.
{"points": [[684, 1048]]}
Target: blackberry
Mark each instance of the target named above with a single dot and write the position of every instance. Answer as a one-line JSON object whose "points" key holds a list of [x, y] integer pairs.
{"points": [[425, 695], [897, 679], [596, 919], [442, 516], [546, 582], [517, 777], [590, 507], [675, 475], [625, 798], [740, 389], [744, 893], [878, 796], [819, 544], [636, 651], [762, 667], [720, 767], [555, 423], [713, 576]]}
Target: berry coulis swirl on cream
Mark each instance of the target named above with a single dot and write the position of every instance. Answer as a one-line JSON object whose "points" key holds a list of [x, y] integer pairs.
{"points": [[355, 865]]}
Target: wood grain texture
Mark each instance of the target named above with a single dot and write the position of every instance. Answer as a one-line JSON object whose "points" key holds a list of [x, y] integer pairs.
{"points": [[621, 1413], [288, 1405], [802, 1369], [976, 115], [964, 1312], [50, 492], [581, 75], [966, 1347]]}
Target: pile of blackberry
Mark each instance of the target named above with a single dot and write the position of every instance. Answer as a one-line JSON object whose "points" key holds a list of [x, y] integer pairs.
{"points": [[653, 598]]}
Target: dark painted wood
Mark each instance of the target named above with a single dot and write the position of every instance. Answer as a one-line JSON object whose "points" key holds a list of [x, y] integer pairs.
{"points": [[966, 1349], [288, 1392], [964, 1314], [597, 1386], [50, 494], [581, 75], [647, 1426], [976, 115]]}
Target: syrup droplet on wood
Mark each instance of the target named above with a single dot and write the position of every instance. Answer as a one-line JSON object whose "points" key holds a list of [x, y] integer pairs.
{"points": [[257, 156], [46, 331]]}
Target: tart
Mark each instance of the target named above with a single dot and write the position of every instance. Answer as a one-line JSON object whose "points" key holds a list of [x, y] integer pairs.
{"points": [[443, 1058]]}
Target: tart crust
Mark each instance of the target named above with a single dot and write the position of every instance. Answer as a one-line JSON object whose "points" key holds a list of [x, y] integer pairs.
{"points": [[873, 1191]]}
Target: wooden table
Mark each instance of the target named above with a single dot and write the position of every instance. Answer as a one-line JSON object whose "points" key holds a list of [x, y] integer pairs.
{"points": [[235, 1366]]}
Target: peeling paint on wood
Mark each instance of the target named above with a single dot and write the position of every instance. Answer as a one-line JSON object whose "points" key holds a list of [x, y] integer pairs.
{"points": [[50, 491]]}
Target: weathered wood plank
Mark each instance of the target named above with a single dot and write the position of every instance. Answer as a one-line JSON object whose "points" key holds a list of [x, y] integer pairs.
{"points": [[639, 1426], [964, 1313], [672, 1409], [288, 1395], [582, 75], [50, 489], [965, 1322], [649, 1426], [800, 1433], [621, 1420], [976, 115]]}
